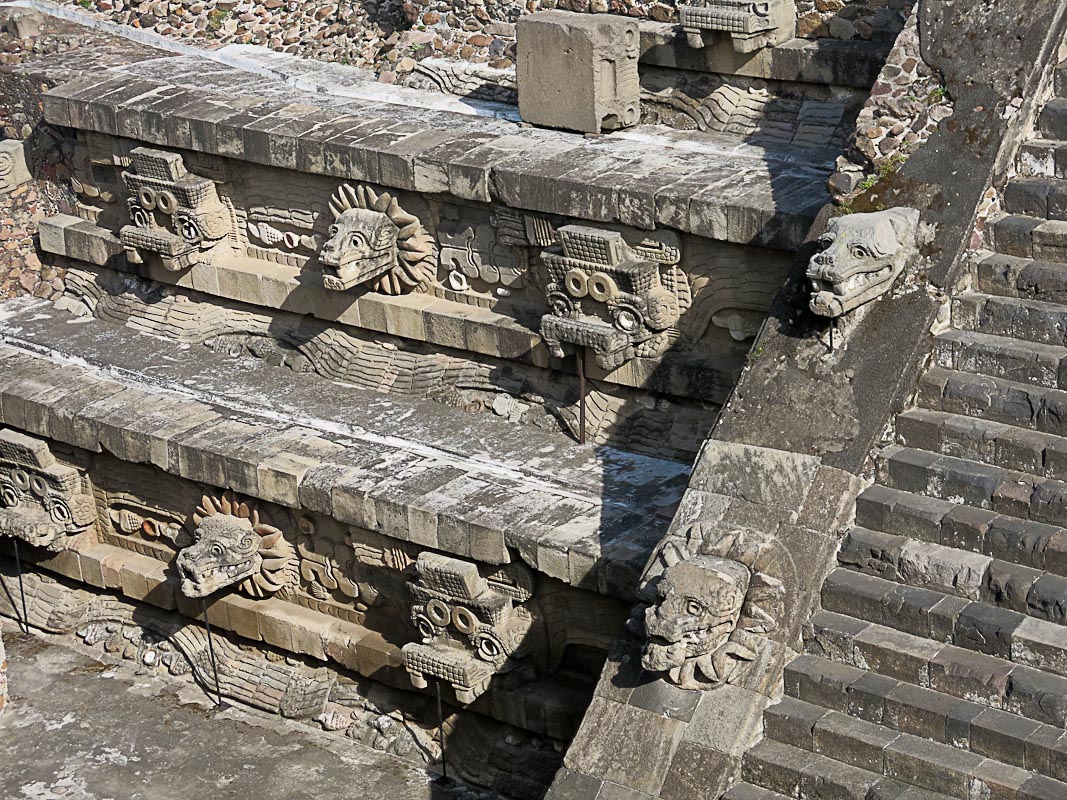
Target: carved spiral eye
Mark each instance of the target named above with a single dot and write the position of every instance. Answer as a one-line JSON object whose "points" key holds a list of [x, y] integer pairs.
{"points": [[357, 240], [216, 550], [859, 251], [140, 217], [627, 321], [489, 648], [333, 231], [60, 513], [10, 494], [694, 609]]}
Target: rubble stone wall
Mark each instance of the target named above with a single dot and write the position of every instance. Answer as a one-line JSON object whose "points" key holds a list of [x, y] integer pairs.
{"points": [[393, 35]]}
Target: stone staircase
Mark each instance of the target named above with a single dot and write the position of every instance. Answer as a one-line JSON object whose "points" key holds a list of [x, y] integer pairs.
{"points": [[937, 667]]}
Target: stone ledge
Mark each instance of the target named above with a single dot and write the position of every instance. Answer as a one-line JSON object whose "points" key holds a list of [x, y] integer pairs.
{"points": [[711, 186], [416, 472], [419, 317]]}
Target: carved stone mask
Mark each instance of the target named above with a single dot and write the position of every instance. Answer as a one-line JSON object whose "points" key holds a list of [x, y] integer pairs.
{"points": [[225, 551], [362, 245], [699, 603], [861, 256]]}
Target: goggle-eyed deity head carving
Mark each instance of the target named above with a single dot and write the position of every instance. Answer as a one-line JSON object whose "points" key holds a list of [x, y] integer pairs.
{"points": [[42, 502]]}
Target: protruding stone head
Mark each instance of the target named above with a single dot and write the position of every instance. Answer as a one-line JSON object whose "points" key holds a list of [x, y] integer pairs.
{"points": [[699, 603], [232, 547], [860, 257], [225, 551], [362, 246]]}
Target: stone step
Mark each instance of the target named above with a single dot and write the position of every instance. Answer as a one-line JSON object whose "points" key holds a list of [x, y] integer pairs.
{"points": [[870, 708], [962, 481], [920, 628], [1043, 157], [937, 769], [1052, 123], [856, 663], [1042, 197], [1002, 357], [994, 443], [1010, 276], [926, 519], [1035, 408], [1030, 237], [799, 773], [1018, 317], [908, 771], [976, 577]]}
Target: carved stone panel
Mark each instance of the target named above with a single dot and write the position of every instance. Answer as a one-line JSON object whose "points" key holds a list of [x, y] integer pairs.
{"points": [[176, 215], [608, 296], [43, 502], [14, 165]]}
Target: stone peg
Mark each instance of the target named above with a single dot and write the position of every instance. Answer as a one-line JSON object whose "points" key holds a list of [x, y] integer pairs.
{"points": [[14, 165], [578, 72], [3, 675], [860, 256]]}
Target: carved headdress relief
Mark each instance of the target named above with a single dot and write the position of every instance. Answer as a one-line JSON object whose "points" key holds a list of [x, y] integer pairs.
{"points": [[42, 501]]}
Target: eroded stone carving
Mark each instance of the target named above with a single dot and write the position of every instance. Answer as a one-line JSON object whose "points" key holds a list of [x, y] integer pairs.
{"points": [[751, 24], [43, 502], [608, 295], [14, 165], [711, 599], [175, 214], [860, 257], [373, 240], [471, 626], [231, 545]]}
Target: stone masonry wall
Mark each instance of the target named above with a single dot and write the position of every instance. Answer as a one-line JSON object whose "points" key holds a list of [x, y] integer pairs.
{"points": [[3, 676], [390, 36]]}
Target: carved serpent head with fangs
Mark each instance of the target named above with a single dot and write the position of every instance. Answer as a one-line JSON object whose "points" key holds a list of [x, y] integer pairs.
{"points": [[231, 546]]}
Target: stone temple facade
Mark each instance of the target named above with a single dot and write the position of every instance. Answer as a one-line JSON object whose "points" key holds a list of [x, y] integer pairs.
{"points": [[671, 413]]}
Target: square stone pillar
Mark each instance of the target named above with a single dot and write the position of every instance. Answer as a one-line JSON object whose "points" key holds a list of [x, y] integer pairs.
{"points": [[578, 72]]}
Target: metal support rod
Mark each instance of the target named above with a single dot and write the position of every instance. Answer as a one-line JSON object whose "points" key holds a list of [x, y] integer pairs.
{"points": [[581, 395], [22, 589], [211, 654], [441, 733]]}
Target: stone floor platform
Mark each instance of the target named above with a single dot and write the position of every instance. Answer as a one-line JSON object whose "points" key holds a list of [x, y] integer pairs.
{"points": [[471, 486], [89, 726]]}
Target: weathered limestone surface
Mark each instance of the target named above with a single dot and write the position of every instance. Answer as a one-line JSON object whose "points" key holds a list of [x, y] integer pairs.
{"points": [[880, 681], [578, 72]]}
